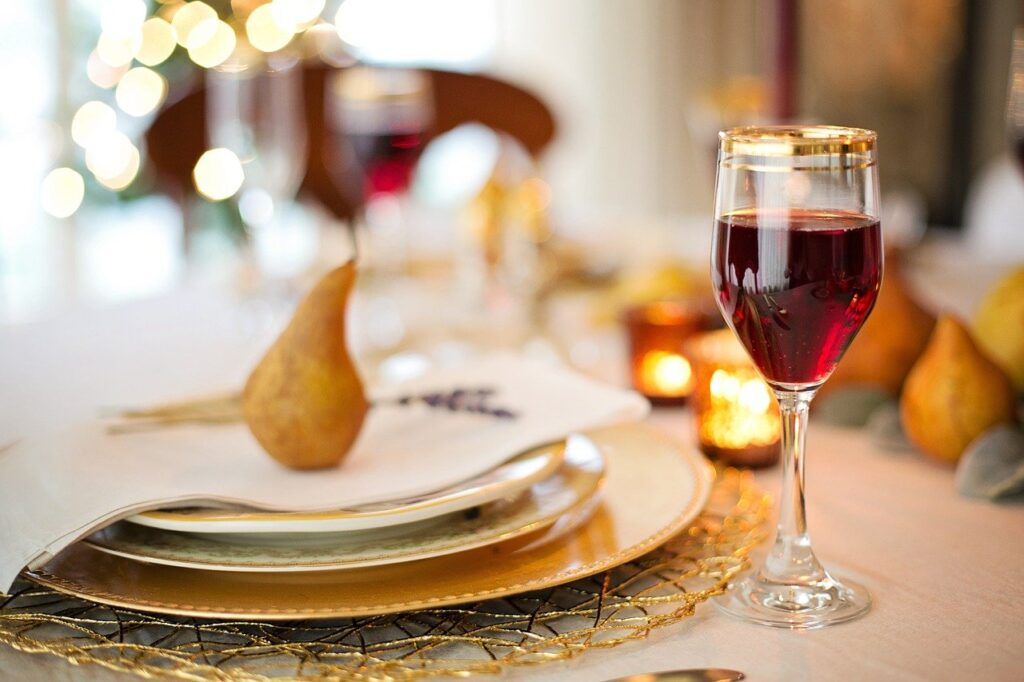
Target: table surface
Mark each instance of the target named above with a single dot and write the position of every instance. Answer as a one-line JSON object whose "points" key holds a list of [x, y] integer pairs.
{"points": [[946, 573]]}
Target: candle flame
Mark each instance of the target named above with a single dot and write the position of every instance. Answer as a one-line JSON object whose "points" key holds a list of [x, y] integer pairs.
{"points": [[754, 396], [667, 373], [740, 412]]}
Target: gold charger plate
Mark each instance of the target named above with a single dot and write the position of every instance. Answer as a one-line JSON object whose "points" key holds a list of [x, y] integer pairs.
{"points": [[654, 487]]}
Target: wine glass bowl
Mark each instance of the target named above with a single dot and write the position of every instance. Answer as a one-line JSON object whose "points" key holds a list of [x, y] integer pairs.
{"points": [[796, 266], [385, 115], [379, 119], [256, 109]]}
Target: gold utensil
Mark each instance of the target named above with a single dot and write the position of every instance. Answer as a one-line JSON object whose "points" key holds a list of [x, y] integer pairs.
{"points": [[691, 675], [218, 409]]}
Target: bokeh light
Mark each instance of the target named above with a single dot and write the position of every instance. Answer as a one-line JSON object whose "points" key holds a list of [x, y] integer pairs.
{"points": [[158, 42], [754, 396], [669, 372], [166, 9], [215, 50], [91, 122], [102, 74], [218, 174], [62, 192], [450, 31], [264, 32], [140, 91], [110, 155], [296, 14], [118, 51], [126, 175], [122, 19], [256, 206], [327, 44], [194, 23]]}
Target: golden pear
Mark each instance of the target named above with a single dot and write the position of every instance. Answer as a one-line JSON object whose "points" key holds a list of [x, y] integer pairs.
{"points": [[954, 394], [304, 402], [999, 325], [891, 340]]}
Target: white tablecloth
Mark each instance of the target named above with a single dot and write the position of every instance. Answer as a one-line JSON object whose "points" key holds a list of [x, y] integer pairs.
{"points": [[947, 574]]}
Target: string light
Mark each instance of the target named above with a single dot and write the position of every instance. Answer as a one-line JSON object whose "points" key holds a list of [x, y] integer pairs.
{"points": [[109, 155], [117, 52], [122, 19], [218, 174], [62, 192], [264, 32], [140, 91], [102, 74], [127, 34], [91, 122], [345, 23], [126, 175], [215, 50], [194, 23], [158, 42], [294, 14], [166, 9]]}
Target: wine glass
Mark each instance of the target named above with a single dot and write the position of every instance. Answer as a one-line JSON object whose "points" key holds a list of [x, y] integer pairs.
{"points": [[381, 117], [255, 108], [796, 262], [1015, 99]]}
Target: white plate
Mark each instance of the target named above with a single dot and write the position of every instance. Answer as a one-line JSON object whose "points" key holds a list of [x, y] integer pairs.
{"points": [[510, 478], [570, 492]]}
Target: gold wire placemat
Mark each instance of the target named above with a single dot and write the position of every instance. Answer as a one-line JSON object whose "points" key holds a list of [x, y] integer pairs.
{"points": [[623, 604]]}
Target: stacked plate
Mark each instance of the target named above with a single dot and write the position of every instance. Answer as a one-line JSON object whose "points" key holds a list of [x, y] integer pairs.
{"points": [[548, 516], [526, 494]]}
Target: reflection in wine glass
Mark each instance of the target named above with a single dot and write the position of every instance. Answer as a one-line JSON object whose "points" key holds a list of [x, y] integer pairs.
{"points": [[255, 108]]}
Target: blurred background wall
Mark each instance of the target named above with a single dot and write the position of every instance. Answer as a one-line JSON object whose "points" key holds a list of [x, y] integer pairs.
{"points": [[638, 90], [632, 80], [626, 81]]}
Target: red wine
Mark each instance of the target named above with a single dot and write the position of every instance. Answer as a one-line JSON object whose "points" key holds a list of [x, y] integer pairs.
{"points": [[796, 286], [388, 160]]}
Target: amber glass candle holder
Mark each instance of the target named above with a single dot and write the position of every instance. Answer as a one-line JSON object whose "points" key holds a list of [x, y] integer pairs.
{"points": [[736, 415], [657, 333]]}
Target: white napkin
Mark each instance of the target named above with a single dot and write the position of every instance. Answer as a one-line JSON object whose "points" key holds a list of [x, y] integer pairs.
{"points": [[61, 486]]}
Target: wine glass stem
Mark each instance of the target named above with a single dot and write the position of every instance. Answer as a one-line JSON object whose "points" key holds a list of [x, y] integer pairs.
{"points": [[791, 559]]}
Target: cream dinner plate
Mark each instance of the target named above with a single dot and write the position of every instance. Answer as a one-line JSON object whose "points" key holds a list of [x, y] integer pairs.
{"points": [[569, 490], [654, 488], [513, 477]]}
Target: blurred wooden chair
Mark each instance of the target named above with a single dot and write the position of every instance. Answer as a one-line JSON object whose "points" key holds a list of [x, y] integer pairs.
{"points": [[177, 137]]}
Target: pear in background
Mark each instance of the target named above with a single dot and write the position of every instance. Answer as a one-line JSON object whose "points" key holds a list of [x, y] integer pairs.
{"points": [[999, 326], [891, 340], [954, 393], [647, 283], [304, 402]]}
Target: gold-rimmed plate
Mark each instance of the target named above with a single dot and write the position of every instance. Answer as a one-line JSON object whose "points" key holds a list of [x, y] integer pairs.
{"points": [[570, 490], [654, 488], [506, 480]]}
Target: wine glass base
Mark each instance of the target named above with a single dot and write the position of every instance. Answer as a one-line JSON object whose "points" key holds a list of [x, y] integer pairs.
{"points": [[800, 606]]}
